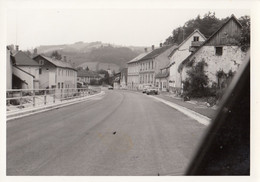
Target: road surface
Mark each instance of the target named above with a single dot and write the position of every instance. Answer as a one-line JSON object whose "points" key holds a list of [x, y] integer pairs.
{"points": [[120, 133]]}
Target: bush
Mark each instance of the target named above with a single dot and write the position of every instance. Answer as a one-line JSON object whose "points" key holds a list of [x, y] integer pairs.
{"points": [[196, 85]]}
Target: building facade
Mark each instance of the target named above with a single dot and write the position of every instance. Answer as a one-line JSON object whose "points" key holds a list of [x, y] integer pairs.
{"points": [[55, 73], [151, 64], [86, 77], [177, 56], [221, 52], [133, 69], [25, 71]]}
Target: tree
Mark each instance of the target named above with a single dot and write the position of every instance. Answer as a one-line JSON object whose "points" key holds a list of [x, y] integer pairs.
{"points": [[245, 34], [206, 25], [87, 69], [196, 83], [56, 55], [104, 80]]}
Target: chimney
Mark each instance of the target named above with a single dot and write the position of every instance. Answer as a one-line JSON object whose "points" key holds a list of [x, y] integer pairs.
{"points": [[152, 47], [160, 44], [35, 51], [64, 58], [17, 47], [145, 49]]}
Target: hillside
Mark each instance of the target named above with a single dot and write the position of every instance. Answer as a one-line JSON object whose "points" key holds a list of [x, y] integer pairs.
{"points": [[95, 55]]}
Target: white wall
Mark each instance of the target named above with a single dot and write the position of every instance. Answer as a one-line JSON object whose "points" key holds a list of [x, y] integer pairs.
{"points": [[180, 55], [8, 71], [231, 58], [24, 76]]}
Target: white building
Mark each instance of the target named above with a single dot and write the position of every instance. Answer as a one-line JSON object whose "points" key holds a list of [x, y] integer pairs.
{"points": [[177, 56], [55, 73], [221, 52], [133, 69]]}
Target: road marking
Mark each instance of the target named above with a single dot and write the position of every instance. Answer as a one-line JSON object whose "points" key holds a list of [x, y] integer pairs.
{"points": [[192, 114]]}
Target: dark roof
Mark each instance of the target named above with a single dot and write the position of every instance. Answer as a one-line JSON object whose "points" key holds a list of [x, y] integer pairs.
{"points": [[162, 75], [85, 73], [168, 65], [137, 58], [155, 53], [21, 59], [196, 30], [186, 60], [58, 63]]}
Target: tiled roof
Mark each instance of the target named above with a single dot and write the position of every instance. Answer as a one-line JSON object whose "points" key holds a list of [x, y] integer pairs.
{"points": [[162, 75], [85, 73], [168, 65], [205, 42], [58, 63], [195, 31], [21, 59], [155, 53], [140, 56]]}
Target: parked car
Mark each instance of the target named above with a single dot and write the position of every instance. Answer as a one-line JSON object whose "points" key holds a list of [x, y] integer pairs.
{"points": [[110, 87], [146, 87], [152, 90]]}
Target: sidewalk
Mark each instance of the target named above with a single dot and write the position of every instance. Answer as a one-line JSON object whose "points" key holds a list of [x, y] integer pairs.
{"points": [[195, 106], [14, 114]]}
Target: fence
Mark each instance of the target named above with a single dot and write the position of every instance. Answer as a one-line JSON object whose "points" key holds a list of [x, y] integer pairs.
{"points": [[21, 98]]}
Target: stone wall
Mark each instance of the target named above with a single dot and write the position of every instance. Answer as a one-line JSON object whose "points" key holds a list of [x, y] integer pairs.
{"points": [[231, 59]]}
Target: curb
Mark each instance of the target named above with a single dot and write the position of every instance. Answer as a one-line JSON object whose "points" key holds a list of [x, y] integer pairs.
{"points": [[20, 114], [192, 114]]}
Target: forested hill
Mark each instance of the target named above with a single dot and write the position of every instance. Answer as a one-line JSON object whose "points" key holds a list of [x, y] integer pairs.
{"points": [[94, 53], [207, 25]]}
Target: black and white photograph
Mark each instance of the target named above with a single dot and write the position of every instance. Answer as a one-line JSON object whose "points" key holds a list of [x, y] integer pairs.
{"points": [[148, 88]]}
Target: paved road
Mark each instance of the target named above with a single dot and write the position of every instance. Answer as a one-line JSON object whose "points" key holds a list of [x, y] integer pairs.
{"points": [[123, 133]]}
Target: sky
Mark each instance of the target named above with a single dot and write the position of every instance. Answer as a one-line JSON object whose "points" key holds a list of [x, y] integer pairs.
{"points": [[32, 27]]}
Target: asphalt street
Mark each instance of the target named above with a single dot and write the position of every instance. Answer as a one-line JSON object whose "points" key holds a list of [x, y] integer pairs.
{"points": [[119, 133]]}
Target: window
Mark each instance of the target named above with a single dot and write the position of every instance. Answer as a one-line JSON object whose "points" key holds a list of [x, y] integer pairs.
{"points": [[41, 62], [195, 38], [219, 51], [40, 71], [59, 85]]}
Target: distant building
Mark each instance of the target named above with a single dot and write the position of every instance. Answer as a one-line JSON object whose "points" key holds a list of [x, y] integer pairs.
{"points": [[116, 80], [86, 76], [133, 69], [55, 73], [221, 52], [151, 64], [123, 78]]}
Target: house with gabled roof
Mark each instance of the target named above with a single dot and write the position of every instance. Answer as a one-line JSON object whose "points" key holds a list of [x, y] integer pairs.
{"points": [[25, 71], [151, 63], [133, 69], [54, 73], [86, 76], [178, 55], [221, 52]]}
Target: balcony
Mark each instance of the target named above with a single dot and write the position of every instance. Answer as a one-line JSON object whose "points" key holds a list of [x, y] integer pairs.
{"points": [[196, 43]]}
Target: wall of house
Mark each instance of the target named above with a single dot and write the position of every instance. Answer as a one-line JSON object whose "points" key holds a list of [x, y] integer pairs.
{"points": [[34, 70], [231, 59], [8, 70], [227, 35], [162, 84], [25, 77], [66, 76], [147, 74], [179, 56], [133, 75]]}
